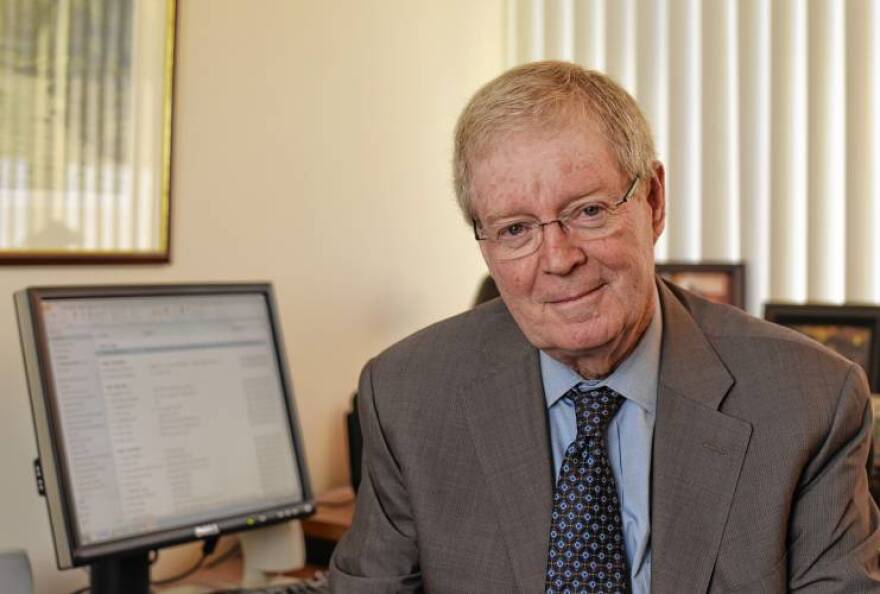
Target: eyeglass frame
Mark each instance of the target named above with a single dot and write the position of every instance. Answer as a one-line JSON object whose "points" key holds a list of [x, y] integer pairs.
{"points": [[541, 224]]}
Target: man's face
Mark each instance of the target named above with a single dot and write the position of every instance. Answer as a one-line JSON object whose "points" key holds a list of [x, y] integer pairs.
{"points": [[574, 297]]}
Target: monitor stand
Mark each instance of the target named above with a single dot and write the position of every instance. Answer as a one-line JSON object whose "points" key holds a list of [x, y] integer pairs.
{"points": [[266, 552], [129, 574], [271, 550]]}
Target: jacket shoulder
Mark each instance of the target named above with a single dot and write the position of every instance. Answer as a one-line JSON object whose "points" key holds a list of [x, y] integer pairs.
{"points": [[446, 355], [757, 350], [458, 337]]}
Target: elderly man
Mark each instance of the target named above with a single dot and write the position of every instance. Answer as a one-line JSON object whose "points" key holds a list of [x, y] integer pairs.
{"points": [[596, 429]]}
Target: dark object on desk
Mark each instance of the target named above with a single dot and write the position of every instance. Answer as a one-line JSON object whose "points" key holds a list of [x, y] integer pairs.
{"points": [[487, 291], [331, 521], [355, 443], [319, 551]]}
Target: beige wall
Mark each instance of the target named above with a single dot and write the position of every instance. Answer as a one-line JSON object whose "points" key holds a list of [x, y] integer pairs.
{"points": [[312, 145]]}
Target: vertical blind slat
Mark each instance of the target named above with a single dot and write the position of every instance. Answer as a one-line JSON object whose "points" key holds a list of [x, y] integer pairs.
{"points": [[684, 171], [874, 166], [559, 29], [788, 152], [720, 184], [652, 79], [863, 113], [589, 33], [620, 43], [754, 124], [827, 178], [528, 37]]}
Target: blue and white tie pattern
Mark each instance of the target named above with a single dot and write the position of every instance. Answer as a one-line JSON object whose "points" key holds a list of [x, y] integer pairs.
{"points": [[586, 539]]}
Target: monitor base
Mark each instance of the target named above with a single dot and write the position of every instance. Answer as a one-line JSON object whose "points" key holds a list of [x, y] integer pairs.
{"points": [[270, 550], [129, 574]]}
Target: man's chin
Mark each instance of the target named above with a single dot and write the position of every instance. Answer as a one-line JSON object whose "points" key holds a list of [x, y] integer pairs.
{"points": [[576, 342]]}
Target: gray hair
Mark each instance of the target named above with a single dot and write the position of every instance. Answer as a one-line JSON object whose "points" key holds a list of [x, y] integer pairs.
{"points": [[546, 93]]}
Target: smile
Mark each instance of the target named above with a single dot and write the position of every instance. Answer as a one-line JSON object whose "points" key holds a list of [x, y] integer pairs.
{"points": [[566, 300]]}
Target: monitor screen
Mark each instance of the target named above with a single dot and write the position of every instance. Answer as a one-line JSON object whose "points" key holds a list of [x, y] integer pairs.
{"points": [[163, 414]]}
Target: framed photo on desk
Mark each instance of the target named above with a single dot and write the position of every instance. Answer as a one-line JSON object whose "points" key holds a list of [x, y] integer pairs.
{"points": [[716, 281], [851, 330]]}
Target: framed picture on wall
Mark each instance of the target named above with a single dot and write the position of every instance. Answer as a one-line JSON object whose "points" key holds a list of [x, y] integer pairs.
{"points": [[851, 330], [85, 131], [715, 281]]}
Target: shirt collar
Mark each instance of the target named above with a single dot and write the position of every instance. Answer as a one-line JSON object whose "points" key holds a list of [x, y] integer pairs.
{"points": [[635, 378]]}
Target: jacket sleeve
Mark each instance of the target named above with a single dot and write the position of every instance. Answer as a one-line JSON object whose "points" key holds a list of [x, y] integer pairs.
{"points": [[834, 537], [380, 551]]}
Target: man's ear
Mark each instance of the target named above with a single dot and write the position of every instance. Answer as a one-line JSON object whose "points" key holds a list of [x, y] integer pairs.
{"points": [[657, 199], [482, 245], [483, 252]]}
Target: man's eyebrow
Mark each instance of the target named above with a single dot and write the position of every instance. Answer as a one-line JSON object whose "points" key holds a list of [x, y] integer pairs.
{"points": [[495, 217], [573, 198], [594, 189], [594, 193]]}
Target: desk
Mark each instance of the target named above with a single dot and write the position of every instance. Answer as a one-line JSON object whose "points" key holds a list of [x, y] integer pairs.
{"points": [[332, 518], [225, 575]]}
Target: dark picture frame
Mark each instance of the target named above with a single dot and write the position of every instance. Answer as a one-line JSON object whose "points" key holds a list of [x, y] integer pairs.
{"points": [[721, 282], [851, 330], [873, 464]]}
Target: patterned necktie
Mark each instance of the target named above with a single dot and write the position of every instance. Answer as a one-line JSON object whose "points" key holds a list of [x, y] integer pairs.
{"points": [[586, 538]]}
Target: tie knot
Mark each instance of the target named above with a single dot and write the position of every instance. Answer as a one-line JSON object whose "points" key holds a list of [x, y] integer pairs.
{"points": [[594, 408]]}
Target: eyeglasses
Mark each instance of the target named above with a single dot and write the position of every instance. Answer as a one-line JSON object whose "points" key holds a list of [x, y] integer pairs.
{"points": [[520, 237]]}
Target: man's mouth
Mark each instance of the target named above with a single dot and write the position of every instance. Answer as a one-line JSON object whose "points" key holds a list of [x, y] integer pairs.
{"points": [[576, 296]]}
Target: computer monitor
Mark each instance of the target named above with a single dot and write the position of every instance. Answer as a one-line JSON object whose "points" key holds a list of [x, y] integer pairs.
{"points": [[163, 414]]}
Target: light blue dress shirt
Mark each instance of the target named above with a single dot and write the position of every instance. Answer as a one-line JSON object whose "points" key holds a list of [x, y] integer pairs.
{"points": [[629, 437]]}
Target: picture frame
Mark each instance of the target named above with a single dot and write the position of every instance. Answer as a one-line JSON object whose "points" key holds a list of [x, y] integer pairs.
{"points": [[851, 330], [721, 282], [86, 95], [873, 464]]}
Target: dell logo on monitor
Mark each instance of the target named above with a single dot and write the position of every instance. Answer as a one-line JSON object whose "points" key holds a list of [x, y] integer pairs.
{"points": [[206, 530]]}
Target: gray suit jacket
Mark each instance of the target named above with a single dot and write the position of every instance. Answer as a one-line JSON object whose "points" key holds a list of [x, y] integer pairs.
{"points": [[758, 480]]}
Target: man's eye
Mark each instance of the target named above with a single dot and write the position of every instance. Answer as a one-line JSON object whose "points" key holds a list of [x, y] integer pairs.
{"points": [[592, 211], [513, 230]]}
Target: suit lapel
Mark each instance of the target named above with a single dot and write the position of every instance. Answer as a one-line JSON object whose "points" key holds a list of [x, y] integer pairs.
{"points": [[507, 418], [697, 455]]}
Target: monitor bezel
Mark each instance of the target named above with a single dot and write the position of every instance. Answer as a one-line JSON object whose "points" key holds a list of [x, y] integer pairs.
{"points": [[70, 551]]}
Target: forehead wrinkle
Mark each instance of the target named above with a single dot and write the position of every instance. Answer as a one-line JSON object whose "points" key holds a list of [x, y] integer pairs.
{"points": [[571, 171], [513, 202]]}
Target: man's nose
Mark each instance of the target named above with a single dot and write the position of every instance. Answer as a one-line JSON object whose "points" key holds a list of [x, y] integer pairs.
{"points": [[560, 253]]}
